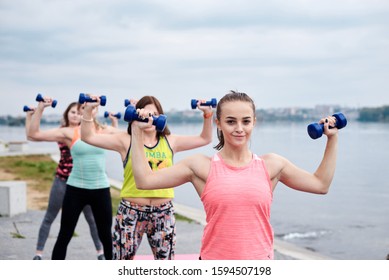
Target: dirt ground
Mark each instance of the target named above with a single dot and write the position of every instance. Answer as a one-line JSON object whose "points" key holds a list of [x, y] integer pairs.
{"points": [[36, 200]]}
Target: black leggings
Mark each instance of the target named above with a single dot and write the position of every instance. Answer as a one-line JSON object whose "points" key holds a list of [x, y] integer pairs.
{"points": [[74, 202]]}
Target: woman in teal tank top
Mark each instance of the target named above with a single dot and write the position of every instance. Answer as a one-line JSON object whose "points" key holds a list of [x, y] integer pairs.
{"points": [[71, 117], [87, 183], [149, 211]]}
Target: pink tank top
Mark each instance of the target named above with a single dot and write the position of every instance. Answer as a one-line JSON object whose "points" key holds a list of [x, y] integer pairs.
{"points": [[237, 203]]}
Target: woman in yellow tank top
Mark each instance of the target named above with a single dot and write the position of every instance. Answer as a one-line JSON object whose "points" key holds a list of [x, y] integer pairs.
{"points": [[146, 211]]}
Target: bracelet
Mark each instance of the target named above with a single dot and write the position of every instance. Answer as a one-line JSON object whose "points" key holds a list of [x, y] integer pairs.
{"points": [[208, 115], [85, 120]]}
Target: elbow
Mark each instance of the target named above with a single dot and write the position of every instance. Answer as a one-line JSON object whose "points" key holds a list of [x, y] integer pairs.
{"points": [[323, 192], [139, 183], [32, 137], [207, 140], [142, 186], [323, 184], [86, 138], [324, 189]]}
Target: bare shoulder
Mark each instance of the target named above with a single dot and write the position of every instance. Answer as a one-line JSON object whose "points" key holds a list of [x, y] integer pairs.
{"points": [[274, 163], [203, 157], [198, 163], [197, 159], [271, 157], [198, 167], [171, 137]]}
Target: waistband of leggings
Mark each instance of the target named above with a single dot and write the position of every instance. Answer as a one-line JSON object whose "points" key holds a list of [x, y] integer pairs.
{"points": [[146, 208]]}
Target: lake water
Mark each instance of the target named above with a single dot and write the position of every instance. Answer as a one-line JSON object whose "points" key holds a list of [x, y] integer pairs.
{"points": [[350, 222]]}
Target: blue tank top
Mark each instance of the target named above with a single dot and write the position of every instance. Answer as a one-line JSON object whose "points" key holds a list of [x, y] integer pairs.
{"points": [[88, 165]]}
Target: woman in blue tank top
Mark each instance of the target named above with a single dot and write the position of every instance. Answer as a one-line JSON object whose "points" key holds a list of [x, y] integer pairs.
{"points": [[87, 183], [71, 118]]}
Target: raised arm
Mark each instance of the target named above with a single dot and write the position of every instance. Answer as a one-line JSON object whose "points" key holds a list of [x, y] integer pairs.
{"points": [[114, 120], [145, 178], [28, 121], [281, 169], [34, 132], [110, 138], [186, 142]]}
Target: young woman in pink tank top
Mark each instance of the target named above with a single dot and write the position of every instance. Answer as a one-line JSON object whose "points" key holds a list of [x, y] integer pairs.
{"points": [[235, 185]]}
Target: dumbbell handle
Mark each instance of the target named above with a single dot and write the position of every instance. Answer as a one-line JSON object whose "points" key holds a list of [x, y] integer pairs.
{"points": [[118, 115], [212, 102], [315, 130], [85, 98], [40, 98], [131, 115]]}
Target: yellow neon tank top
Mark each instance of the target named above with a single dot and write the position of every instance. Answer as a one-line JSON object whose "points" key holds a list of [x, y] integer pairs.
{"points": [[159, 156]]}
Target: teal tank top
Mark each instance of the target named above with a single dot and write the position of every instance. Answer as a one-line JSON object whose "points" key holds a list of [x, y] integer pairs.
{"points": [[88, 166]]}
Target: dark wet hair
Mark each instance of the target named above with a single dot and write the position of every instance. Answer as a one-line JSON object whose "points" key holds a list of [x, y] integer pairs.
{"points": [[230, 97], [143, 102], [65, 118]]}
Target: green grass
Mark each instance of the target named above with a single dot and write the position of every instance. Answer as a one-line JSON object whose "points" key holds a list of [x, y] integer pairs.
{"points": [[17, 235], [180, 217], [38, 169]]}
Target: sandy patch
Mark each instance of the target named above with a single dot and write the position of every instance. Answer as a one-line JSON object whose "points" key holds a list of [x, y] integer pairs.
{"points": [[36, 200]]}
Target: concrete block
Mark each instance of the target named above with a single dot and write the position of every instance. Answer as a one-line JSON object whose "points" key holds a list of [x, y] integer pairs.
{"points": [[17, 146], [13, 198]]}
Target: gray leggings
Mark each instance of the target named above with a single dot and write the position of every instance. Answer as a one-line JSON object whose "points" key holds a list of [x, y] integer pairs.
{"points": [[57, 194]]}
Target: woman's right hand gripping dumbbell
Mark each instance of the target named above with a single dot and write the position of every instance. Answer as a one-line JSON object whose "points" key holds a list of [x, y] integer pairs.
{"points": [[89, 109], [92, 104], [144, 114], [44, 102]]}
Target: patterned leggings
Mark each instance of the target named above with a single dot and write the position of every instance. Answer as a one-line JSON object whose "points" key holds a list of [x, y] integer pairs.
{"points": [[133, 220]]}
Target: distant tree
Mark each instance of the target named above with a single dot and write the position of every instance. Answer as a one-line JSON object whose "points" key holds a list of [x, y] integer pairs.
{"points": [[377, 114]]}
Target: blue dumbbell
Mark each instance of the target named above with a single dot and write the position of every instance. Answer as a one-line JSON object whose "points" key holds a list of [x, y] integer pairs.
{"points": [[127, 102], [118, 115], [85, 98], [39, 98], [131, 115], [212, 102], [315, 130], [26, 108]]}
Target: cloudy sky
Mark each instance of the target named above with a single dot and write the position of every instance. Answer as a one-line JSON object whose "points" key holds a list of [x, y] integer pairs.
{"points": [[282, 53]]}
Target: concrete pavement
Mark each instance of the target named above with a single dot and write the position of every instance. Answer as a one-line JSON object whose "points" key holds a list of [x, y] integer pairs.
{"points": [[18, 238], [18, 234]]}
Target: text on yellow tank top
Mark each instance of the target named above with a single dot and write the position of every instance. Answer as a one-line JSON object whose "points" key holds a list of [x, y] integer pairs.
{"points": [[159, 156]]}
